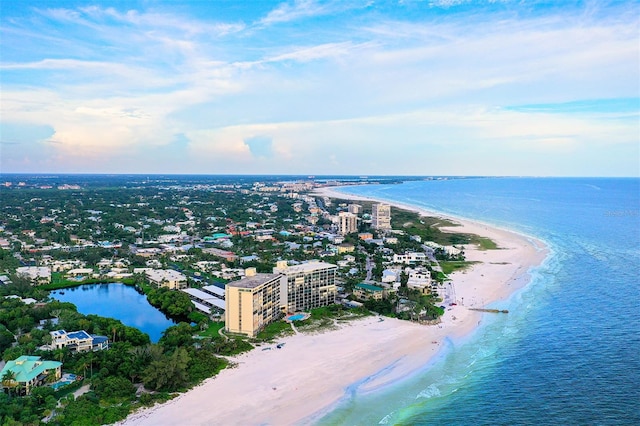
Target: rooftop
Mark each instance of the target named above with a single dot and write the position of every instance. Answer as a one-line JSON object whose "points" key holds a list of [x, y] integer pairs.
{"points": [[369, 287], [308, 267], [253, 281], [26, 368]]}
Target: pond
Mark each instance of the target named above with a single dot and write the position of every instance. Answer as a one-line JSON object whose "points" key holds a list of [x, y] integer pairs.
{"points": [[117, 301]]}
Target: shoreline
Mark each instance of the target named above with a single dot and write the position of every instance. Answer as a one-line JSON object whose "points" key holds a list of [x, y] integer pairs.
{"points": [[313, 373]]}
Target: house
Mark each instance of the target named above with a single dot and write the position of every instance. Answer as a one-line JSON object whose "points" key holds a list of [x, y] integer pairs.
{"points": [[78, 341], [365, 236], [390, 275], [364, 291], [30, 371], [346, 248], [410, 258], [419, 279]]}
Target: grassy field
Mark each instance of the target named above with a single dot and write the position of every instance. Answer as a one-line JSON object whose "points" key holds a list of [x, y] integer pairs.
{"points": [[452, 266], [213, 330], [275, 330]]}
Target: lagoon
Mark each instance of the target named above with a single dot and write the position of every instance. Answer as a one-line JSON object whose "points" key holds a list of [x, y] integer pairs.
{"points": [[118, 301]]}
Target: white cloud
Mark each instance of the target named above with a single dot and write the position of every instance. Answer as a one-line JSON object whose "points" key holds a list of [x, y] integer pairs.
{"points": [[373, 93]]}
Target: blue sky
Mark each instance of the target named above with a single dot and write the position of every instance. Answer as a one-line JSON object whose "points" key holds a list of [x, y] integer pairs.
{"points": [[439, 87]]}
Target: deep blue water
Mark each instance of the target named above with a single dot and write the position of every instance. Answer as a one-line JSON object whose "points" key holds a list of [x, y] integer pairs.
{"points": [[120, 302], [568, 353]]}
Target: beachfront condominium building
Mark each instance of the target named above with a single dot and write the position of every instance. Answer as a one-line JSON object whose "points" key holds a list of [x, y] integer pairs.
{"points": [[381, 216], [309, 285], [347, 223], [254, 302]]}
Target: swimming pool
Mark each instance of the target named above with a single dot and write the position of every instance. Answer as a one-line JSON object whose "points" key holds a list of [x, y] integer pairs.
{"points": [[297, 317], [60, 384]]}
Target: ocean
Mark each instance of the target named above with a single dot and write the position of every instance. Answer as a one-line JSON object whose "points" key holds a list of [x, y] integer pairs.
{"points": [[568, 353]]}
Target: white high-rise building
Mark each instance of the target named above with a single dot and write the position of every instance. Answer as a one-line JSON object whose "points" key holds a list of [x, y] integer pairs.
{"points": [[347, 223], [381, 216], [309, 285]]}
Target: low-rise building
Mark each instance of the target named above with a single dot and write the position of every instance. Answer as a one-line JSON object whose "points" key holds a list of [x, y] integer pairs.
{"points": [[30, 371], [35, 274], [346, 248], [167, 278], [420, 279], [364, 291], [410, 258]]}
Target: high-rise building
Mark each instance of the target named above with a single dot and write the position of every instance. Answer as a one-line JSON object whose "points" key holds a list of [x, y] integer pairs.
{"points": [[381, 216], [347, 223], [309, 285], [254, 302]]}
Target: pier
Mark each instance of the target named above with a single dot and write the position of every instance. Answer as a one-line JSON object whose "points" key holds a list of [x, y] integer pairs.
{"points": [[493, 311]]}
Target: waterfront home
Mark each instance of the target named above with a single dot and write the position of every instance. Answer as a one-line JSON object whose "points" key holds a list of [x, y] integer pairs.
{"points": [[28, 372], [78, 341]]}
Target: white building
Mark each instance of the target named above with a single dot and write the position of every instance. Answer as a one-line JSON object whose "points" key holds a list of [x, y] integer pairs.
{"points": [[309, 285], [78, 341], [381, 217], [35, 274], [167, 278], [419, 279], [409, 258]]}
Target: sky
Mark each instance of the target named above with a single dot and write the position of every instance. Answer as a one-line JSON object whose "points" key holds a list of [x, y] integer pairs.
{"points": [[350, 87]]}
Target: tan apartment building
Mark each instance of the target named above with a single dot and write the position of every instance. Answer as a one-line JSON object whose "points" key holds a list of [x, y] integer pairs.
{"points": [[347, 223], [309, 285], [254, 302], [381, 216]]}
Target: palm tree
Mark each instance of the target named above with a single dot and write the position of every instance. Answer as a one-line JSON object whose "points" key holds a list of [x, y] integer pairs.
{"points": [[9, 380]]}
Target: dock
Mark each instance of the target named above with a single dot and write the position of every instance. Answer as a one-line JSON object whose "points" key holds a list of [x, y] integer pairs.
{"points": [[493, 311]]}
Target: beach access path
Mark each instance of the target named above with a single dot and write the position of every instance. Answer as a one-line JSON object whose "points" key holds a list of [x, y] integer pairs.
{"points": [[311, 373]]}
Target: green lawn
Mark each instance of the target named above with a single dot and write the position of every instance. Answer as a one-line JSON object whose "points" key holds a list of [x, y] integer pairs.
{"points": [[213, 330], [275, 330], [484, 243], [452, 266]]}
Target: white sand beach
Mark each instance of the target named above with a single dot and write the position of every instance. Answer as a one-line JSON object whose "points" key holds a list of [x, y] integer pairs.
{"points": [[308, 375]]}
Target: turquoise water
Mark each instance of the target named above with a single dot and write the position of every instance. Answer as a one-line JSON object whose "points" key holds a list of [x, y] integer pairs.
{"points": [[58, 385], [568, 352], [120, 302], [296, 317]]}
